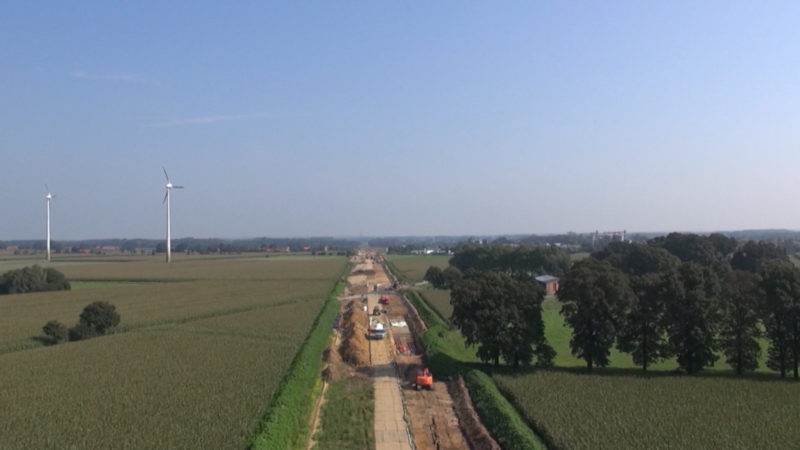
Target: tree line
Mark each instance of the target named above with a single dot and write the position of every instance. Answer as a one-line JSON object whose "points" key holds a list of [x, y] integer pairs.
{"points": [[685, 296], [691, 297]]}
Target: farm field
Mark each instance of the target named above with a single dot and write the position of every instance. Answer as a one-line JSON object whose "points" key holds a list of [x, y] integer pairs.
{"points": [[439, 299], [626, 410], [194, 364], [413, 267]]}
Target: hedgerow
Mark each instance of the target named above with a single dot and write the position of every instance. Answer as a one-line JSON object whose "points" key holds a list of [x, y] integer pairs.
{"points": [[286, 422]]}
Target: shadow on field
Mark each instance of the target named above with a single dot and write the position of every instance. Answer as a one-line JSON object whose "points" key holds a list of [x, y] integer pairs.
{"points": [[630, 372]]}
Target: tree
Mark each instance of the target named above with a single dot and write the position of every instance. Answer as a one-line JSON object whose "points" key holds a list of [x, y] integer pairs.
{"points": [[502, 316], [525, 261], [692, 315], [739, 325], [780, 280], [754, 253], [596, 297], [702, 250], [96, 319], [653, 279], [56, 331], [723, 244], [450, 277], [434, 276]]}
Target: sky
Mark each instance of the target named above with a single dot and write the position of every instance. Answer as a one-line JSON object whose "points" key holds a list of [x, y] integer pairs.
{"points": [[381, 118]]}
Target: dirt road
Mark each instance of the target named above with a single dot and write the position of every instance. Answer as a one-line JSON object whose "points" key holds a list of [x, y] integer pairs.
{"points": [[430, 413]]}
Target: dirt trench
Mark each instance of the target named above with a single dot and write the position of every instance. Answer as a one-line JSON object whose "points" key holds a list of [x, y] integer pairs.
{"points": [[406, 417], [436, 421]]}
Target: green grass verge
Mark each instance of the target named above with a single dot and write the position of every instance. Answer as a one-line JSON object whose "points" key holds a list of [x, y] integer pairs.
{"points": [[498, 415], [347, 417], [395, 272], [285, 424], [426, 313]]}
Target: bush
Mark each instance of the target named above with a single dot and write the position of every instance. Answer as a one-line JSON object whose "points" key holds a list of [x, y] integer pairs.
{"points": [[82, 331], [96, 319], [102, 316], [56, 331], [32, 279]]}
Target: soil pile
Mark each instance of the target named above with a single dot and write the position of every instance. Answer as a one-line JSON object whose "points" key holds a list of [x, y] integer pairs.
{"points": [[355, 347]]}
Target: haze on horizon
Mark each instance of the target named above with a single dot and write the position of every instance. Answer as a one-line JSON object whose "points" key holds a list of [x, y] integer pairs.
{"points": [[407, 118]]}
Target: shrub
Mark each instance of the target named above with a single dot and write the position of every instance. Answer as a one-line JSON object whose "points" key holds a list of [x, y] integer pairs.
{"points": [[96, 319], [56, 331], [82, 331], [102, 316], [32, 279]]}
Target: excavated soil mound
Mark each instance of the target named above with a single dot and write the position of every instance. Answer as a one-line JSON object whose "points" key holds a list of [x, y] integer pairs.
{"points": [[354, 347]]}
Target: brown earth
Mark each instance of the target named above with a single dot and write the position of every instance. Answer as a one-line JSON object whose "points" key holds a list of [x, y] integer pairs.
{"points": [[435, 420], [354, 347]]}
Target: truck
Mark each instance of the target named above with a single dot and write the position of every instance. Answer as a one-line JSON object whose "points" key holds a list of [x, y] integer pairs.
{"points": [[384, 299], [377, 330]]}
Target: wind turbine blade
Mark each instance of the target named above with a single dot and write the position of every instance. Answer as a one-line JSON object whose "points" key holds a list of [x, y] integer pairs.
{"points": [[177, 187], [165, 198], [165, 173], [46, 188]]}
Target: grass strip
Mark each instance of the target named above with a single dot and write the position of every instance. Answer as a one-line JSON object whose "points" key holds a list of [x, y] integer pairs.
{"points": [[426, 312], [347, 417], [285, 423], [399, 276]]}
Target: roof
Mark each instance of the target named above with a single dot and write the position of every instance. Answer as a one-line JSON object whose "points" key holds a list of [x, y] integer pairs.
{"points": [[546, 278]]}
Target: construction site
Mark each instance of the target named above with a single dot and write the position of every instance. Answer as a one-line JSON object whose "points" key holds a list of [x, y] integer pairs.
{"points": [[378, 337]]}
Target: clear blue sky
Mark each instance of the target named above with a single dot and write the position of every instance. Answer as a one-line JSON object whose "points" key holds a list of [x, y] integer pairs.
{"points": [[398, 118]]}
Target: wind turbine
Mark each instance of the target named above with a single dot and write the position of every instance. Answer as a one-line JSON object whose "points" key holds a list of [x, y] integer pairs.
{"points": [[48, 197], [169, 187]]}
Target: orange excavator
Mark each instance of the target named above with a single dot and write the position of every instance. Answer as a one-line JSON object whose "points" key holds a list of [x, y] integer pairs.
{"points": [[424, 379]]}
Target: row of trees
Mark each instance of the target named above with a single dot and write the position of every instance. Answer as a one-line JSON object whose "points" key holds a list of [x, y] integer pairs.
{"points": [[32, 279], [688, 297], [682, 295], [522, 262]]}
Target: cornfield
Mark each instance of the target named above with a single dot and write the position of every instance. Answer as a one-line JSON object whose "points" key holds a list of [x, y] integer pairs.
{"points": [[626, 410], [194, 365]]}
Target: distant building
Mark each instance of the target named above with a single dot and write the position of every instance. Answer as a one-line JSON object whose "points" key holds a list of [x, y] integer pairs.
{"points": [[550, 283]]}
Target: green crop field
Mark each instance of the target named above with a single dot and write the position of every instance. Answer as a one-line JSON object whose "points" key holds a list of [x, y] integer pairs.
{"points": [[193, 365], [439, 299], [625, 410], [413, 267]]}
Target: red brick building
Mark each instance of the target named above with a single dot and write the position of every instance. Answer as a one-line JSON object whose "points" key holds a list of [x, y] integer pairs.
{"points": [[550, 283]]}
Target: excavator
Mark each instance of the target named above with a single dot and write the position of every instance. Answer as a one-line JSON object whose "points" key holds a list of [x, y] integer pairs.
{"points": [[424, 379]]}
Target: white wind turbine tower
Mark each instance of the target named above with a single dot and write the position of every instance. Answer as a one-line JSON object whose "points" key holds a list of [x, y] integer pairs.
{"points": [[48, 197], [169, 187]]}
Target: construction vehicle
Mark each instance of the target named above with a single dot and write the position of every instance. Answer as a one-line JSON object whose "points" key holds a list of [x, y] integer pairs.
{"points": [[376, 329], [424, 379]]}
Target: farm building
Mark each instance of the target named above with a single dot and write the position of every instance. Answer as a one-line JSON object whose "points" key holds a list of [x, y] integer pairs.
{"points": [[550, 283]]}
